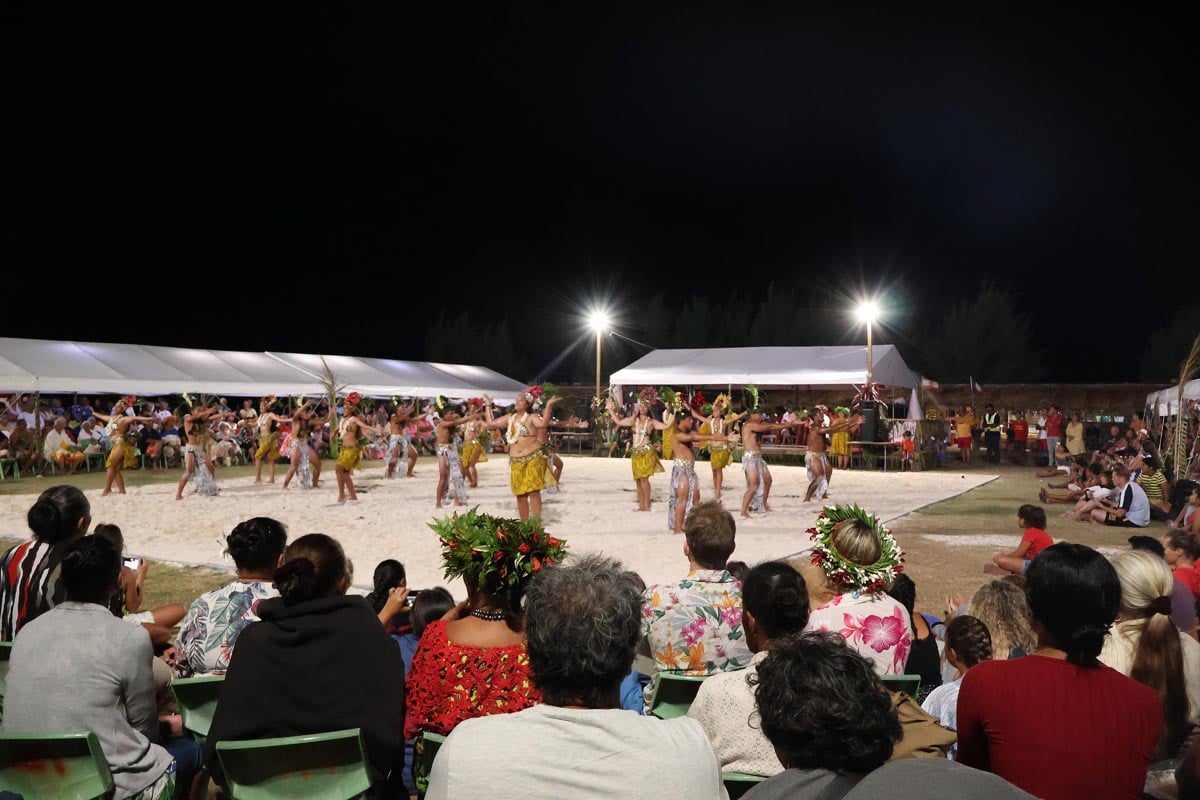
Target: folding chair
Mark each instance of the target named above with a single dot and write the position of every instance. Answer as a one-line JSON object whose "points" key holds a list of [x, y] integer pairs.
{"points": [[54, 766], [332, 766], [197, 700], [674, 694]]}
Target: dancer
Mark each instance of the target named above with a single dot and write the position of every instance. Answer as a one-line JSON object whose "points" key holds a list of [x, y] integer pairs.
{"points": [[305, 461], [123, 453], [399, 442], [815, 460], [450, 469], [554, 464], [350, 457], [644, 460], [718, 424], [526, 464], [472, 448], [758, 476], [685, 490], [268, 438], [195, 453], [839, 447]]}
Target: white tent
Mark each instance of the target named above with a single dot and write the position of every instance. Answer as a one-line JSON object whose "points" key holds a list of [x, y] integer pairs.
{"points": [[803, 367], [97, 368], [1165, 402]]}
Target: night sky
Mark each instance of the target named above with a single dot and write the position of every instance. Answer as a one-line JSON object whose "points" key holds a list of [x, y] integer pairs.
{"points": [[457, 157]]}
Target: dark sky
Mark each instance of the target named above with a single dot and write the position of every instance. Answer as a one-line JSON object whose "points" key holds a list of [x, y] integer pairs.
{"points": [[184, 155]]}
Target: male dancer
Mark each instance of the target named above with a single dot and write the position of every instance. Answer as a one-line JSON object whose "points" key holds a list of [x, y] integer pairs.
{"points": [[350, 457], [268, 438], [195, 453], [816, 460], [758, 475], [399, 443], [685, 490]]}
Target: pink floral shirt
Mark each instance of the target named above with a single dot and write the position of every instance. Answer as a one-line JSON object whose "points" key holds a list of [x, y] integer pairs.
{"points": [[694, 627], [875, 625]]}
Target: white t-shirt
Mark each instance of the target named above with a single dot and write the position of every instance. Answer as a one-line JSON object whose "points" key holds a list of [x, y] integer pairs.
{"points": [[547, 752], [1139, 510], [942, 703]]}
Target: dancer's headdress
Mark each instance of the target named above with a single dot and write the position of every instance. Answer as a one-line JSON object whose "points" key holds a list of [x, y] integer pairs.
{"points": [[474, 403], [671, 399], [353, 399], [721, 400], [647, 395], [754, 398], [842, 410], [843, 572], [475, 546]]}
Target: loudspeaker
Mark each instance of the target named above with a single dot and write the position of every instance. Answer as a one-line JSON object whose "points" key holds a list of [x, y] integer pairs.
{"points": [[869, 431]]}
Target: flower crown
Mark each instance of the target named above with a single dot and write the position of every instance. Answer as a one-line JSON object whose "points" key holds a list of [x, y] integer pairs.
{"points": [[475, 402], [478, 546], [648, 395], [353, 399], [842, 410], [845, 573]]}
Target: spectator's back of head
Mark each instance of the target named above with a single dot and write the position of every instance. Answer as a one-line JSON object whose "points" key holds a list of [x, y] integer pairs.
{"points": [[822, 706], [776, 601], [389, 574], [970, 640], [314, 567], [583, 621], [709, 530], [1003, 608], [1074, 595], [429, 605], [257, 544], [91, 567], [1147, 543], [904, 591], [60, 513], [111, 534], [1033, 516]]}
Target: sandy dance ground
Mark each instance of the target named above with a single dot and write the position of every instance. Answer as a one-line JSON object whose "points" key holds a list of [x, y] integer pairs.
{"points": [[595, 511]]}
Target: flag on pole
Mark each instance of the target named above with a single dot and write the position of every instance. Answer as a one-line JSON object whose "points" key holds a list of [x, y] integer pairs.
{"points": [[926, 383], [975, 386]]}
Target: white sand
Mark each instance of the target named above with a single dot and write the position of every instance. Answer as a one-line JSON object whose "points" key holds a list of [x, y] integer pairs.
{"points": [[594, 512]]}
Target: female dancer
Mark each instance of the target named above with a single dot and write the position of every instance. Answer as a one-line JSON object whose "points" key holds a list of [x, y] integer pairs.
{"points": [[123, 453], [399, 442], [472, 448], [195, 453], [718, 425], [644, 460], [684, 489], [304, 459], [350, 457], [268, 438], [526, 463]]}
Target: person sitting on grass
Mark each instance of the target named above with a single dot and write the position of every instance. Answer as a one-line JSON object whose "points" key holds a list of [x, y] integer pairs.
{"points": [[1092, 496], [1033, 541], [1061, 465], [1183, 603], [1076, 489], [1129, 509], [1181, 550], [967, 643]]}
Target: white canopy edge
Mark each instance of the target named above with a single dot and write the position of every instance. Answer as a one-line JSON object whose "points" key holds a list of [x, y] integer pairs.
{"points": [[1165, 402]]}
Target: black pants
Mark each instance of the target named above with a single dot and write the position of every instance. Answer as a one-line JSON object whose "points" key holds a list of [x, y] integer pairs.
{"points": [[991, 440]]}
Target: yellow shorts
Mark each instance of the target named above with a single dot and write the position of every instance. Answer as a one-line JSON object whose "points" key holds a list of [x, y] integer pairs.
{"points": [[469, 448], [645, 464], [528, 473], [123, 452], [720, 458], [350, 458], [268, 448]]}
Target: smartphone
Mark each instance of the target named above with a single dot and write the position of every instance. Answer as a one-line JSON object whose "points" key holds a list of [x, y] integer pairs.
{"points": [[133, 563], [412, 598]]}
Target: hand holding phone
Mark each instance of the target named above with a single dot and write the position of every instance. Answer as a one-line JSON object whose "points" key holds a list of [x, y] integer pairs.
{"points": [[133, 563]]}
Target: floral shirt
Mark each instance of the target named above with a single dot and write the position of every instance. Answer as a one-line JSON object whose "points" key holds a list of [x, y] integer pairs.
{"points": [[694, 627], [875, 625], [214, 622]]}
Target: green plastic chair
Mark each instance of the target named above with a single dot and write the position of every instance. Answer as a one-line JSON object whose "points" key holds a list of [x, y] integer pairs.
{"points": [[63, 766], [738, 783], [332, 766], [427, 745], [197, 701], [674, 695], [909, 684]]}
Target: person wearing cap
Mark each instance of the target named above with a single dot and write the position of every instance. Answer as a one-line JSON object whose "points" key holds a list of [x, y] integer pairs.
{"points": [[991, 433]]}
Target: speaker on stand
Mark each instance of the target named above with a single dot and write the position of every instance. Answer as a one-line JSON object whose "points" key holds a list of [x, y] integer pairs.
{"points": [[869, 432]]}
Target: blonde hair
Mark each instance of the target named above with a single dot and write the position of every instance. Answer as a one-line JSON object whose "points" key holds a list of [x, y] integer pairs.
{"points": [[1002, 607], [856, 541]]}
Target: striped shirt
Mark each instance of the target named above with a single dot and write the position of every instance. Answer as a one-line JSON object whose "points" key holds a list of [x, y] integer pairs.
{"points": [[1153, 484]]}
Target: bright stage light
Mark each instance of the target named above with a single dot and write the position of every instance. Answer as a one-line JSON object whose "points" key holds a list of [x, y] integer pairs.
{"points": [[868, 312], [598, 321]]}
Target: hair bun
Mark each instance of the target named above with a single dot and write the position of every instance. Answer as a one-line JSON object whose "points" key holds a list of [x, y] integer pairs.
{"points": [[296, 581]]}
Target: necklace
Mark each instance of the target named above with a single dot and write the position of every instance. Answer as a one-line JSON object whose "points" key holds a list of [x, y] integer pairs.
{"points": [[487, 616]]}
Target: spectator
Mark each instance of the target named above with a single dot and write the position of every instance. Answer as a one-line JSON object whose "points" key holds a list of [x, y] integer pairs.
{"points": [[1146, 646], [23, 444], [215, 620], [127, 600], [1188, 520], [833, 727], [60, 449], [1018, 437], [694, 627], [1183, 603], [30, 573], [923, 658], [583, 625], [80, 410], [964, 433], [1130, 509], [77, 668], [1002, 608], [247, 411], [1054, 432], [317, 661], [775, 605], [427, 606], [991, 433], [1075, 445], [1180, 550], [1154, 483], [854, 560], [967, 643], [1058, 723], [1033, 541], [91, 437], [388, 596]]}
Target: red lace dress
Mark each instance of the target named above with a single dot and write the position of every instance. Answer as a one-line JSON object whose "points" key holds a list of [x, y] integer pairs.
{"points": [[450, 682]]}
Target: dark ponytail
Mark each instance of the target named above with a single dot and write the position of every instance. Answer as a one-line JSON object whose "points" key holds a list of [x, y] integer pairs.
{"points": [[1075, 594], [775, 594], [55, 515], [314, 567]]}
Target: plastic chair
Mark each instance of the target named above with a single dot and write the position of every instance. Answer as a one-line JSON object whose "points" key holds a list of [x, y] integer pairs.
{"points": [[10, 465], [909, 684], [674, 695], [332, 766], [197, 700], [738, 783], [61, 766]]}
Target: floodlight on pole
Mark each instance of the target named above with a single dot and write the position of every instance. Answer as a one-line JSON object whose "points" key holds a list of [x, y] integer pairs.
{"points": [[599, 321], [868, 312]]}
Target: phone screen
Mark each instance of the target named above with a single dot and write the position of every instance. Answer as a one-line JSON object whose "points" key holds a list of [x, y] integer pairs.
{"points": [[133, 563]]}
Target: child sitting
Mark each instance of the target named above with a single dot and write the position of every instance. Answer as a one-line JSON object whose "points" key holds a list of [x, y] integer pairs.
{"points": [[967, 643], [1034, 541]]}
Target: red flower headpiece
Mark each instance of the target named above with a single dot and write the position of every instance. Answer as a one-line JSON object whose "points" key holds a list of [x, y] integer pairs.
{"points": [[353, 398]]}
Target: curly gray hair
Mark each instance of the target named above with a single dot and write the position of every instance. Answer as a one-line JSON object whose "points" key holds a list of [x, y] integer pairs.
{"points": [[583, 620]]}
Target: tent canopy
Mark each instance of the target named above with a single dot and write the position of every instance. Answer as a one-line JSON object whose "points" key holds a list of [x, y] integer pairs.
{"points": [[1165, 402], [804, 367], [97, 368]]}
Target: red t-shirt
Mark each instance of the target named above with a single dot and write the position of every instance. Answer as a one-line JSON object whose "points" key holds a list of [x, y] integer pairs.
{"points": [[1057, 730], [910, 445], [1190, 578], [1039, 540], [1020, 430], [1054, 424]]}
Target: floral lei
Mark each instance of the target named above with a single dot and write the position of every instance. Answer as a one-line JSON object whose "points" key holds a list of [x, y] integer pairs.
{"points": [[843, 572]]}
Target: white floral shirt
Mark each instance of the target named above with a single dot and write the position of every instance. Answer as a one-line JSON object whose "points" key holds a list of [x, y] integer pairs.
{"points": [[875, 625], [694, 627]]}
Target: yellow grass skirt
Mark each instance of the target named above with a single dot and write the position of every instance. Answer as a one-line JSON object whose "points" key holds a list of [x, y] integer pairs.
{"points": [[527, 474], [122, 449], [645, 464], [720, 458], [268, 448], [350, 458], [668, 443], [840, 446], [469, 448]]}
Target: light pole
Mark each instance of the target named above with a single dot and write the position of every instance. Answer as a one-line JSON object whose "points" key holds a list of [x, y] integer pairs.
{"points": [[598, 321], [868, 312]]}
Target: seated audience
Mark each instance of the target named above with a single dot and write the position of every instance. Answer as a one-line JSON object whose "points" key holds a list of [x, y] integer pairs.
{"points": [[855, 559], [317, 661], [1034, 540], [429, 605], [1187, 519], [91, 439], [1002, 608], [833, 727], [1129, 509], [30, 572], [77, 668], [1180, 550], [1155, 484], [694, 627], [60, 449], [924, 658], [1145, 645], [1058, 723], [211, 628], [967, 643], [1183, 603], [583, 624]]}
